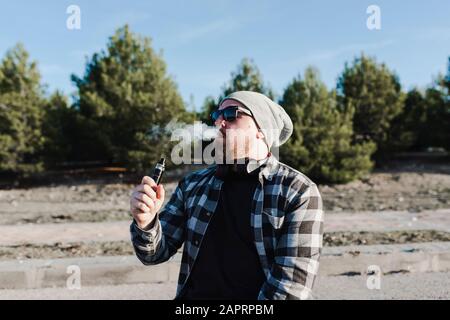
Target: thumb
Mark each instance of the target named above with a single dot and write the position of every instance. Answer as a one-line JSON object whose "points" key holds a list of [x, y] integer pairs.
{"points": [[160, 192]]}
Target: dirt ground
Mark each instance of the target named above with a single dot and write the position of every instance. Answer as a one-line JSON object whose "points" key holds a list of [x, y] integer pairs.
{"points": [[411, 188], [119, 248], [408, 188], [404, 185]]}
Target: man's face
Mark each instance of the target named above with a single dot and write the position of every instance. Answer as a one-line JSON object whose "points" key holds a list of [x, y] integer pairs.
{"points": [[236, 139]]}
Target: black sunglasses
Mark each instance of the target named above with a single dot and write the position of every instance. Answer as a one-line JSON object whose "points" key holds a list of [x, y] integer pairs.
{"points": [[229, 114]]}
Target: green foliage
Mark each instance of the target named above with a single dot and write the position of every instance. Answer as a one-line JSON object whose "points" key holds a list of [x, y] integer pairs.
{"points": [[59, 130], [446, 80], [437, 131], [124, 92], [425, 120], [444, 123], [408, 128], [126, 99], [321, 145], [21, 102], [376, 95], [247, 77]]}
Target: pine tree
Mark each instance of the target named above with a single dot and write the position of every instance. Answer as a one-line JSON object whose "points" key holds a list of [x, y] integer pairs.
{"points": [[321, 145], [446, 80], [124, 93], [446, 112], [376, 94], [247, 77], [59, 130], [408, 131], [437, 132], [21, 102]]}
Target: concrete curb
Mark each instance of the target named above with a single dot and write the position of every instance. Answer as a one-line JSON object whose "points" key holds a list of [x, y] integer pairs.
{"points": [[35, 274]]}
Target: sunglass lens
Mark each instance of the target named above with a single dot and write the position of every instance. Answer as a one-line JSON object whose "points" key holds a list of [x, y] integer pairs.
{"points": [[230, 114], [215, 115]]}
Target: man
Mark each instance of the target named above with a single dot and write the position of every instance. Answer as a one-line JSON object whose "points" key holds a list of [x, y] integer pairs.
{"points": [[251, 227]]}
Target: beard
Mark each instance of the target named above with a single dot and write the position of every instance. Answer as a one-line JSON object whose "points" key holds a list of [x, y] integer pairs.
{"points": [[231, 147]]}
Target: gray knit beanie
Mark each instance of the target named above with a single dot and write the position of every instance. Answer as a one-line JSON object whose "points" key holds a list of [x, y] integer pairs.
{"points": [[271, 118]]}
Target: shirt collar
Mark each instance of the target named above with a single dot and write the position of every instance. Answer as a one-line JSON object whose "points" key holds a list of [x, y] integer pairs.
{"points": [[269, 166]]}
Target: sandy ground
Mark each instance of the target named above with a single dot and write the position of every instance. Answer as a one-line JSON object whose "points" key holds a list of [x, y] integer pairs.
{"points": [[397, 190], [434, 285], [123, 248], [410, 189], [426, 188], [393, 206]]}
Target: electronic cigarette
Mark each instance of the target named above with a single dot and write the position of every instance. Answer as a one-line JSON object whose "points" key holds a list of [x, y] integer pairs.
{"points": [[159, 170]]}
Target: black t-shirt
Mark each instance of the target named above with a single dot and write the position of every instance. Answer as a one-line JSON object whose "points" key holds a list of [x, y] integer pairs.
{"points": [[228, 265]]}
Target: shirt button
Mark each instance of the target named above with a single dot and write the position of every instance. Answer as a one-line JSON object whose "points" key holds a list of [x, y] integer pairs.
{"points": [[208, 214], [196, 242]]}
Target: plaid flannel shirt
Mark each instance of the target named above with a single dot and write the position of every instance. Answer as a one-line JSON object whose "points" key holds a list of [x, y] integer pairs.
{"points": [[286, 216]]}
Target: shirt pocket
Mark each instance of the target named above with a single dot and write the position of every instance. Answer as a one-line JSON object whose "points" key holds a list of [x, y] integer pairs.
{"points": [[274, 217]]}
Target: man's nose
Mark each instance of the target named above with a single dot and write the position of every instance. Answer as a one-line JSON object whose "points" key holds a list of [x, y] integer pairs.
{"points": [[221, 122]]}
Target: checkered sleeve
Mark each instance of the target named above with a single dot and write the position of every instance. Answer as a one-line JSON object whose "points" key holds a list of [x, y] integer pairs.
{"points": [[298, 249], [166, 236]]}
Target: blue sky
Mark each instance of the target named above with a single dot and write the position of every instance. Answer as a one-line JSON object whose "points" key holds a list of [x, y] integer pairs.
{"points": [[203, 41]]}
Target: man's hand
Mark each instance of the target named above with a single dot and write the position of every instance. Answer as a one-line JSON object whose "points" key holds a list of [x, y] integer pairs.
{"points": [[146, 200]]}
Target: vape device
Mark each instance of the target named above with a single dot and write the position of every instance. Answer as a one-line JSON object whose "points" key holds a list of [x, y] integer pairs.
{"points": [[159, 170]]}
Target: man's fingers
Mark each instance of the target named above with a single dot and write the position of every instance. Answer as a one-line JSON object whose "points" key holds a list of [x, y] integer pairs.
{"points": [[149, 181], [146, 198], [142, 207], [139, 207], [142, 197], [160, 192], [145, 188]]}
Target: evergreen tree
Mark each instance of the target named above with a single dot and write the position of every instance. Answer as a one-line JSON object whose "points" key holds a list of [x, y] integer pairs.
{"points": [[425, 119], [21, 102], [124, 93], [446, 112], [446, 80], [247, 77], [437, 131], [59, 129], [408, 130], [321, 145], [376, 94]]}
